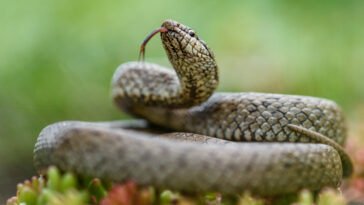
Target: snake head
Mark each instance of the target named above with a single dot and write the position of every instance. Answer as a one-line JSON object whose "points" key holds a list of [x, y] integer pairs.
{"points": [[182, 41]]}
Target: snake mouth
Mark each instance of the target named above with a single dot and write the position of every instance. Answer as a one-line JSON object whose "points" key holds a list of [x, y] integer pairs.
{"points": [[144, 44]]}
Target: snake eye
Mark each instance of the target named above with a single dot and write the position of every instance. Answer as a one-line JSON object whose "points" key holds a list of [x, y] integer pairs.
{"points": [[192, 33]]}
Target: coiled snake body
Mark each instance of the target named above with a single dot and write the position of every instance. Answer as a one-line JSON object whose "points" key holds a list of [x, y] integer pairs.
{"points": [[197, 156]]}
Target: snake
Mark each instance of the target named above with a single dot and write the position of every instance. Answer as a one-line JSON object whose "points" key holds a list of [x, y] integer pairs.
{"points": [[188, 138]]}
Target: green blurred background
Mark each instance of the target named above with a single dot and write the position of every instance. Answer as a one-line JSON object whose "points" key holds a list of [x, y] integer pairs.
{"points": [[57, 57]]}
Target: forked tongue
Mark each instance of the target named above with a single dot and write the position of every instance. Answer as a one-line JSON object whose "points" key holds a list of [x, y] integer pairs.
{"points": [[142, 47]]}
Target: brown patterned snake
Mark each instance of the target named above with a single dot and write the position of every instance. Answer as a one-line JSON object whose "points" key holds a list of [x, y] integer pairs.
{"points": [[267, 163]]}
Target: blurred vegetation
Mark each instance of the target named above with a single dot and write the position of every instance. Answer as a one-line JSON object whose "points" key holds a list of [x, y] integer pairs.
{"points": [[57, 189], [57, 57]]}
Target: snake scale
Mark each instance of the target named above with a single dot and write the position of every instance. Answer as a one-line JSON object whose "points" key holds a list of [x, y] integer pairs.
{"points": [[287, 142]]}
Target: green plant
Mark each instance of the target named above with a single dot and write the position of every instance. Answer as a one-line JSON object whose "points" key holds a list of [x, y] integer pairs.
{"points": [[56, 189]]}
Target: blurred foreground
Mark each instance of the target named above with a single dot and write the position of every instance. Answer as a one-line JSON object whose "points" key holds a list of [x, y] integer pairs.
{"points": [[57, 189]]}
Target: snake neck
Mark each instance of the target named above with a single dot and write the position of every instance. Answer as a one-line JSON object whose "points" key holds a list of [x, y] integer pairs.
{"points": [[138, 84], [197, 80]]}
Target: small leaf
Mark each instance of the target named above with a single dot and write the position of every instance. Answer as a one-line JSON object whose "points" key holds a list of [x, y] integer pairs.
{"points": [[28, 195], [54, 178], [68, 181]]}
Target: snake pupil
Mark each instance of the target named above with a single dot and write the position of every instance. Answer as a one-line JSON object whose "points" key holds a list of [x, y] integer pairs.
{"points": [[192, 33]]}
